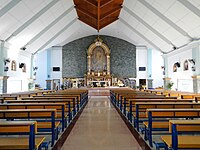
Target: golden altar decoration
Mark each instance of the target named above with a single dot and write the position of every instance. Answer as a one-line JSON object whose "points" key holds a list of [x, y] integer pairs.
{"points": [[98, 65]]}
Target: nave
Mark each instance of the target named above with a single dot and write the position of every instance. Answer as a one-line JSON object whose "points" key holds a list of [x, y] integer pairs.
{"points": [[100, 127]]}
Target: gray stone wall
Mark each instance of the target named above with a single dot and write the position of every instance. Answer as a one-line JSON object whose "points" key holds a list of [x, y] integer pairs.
{"points": [[123, 57]]}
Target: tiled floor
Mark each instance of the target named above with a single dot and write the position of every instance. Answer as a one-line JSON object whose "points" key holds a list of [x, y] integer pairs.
{"points": [[100, 128]]}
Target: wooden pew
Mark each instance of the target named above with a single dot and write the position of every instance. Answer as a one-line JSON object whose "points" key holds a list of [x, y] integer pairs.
{"points": [[70, 106], [162, 114], [8, 97], [18, 128], [12, 114], [141, 107], [60, 107], [74, 99], [187, 96], [176, 141], [129, 105]]}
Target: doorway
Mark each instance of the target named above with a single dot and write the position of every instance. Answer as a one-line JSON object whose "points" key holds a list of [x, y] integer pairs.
{"points": [[142, 83]]}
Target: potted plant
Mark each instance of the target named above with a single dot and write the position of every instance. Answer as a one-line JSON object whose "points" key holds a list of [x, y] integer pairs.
{"points": [[170, 84]]}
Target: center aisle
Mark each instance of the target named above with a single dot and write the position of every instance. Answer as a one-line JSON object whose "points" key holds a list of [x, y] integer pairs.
{"points": [[100, 128]]}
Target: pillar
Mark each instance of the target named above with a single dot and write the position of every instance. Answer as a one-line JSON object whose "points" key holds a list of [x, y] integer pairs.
{"points": [[3, 84], [49, 84], [196, 73], [166, 79], [108, 64], [89, 63], [149, 69], [166, 82]]}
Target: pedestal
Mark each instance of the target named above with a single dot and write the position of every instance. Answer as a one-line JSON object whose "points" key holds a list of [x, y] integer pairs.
{"points": [[3, 84], [166, 82], [196, 84], [150, 83]]}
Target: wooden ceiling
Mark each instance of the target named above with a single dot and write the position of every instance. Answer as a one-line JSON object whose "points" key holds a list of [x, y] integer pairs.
{"points": [[98, 13]]}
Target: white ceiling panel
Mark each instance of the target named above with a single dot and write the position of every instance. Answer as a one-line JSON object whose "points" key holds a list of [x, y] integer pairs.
{"points": [[178, 10], [129, 3], [171, 9], [3, 3], [21, 11], [180, 41], [191, 20], [195, 2], [141, 28], [47, 18], [7, 20], [35, 5], [124, 15], [161, 26], [171, 33], [150, 18], [195, 32], [150, 35], [138, 7], [162, 5]]}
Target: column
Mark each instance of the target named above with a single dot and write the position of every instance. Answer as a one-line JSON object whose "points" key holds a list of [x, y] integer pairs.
{"points": [[49, 84], [196, 73], [166, 79], [49, 67], [166, 83], [89, 63], [149, 69], [108, 64], [3, 84], [1, 58]]}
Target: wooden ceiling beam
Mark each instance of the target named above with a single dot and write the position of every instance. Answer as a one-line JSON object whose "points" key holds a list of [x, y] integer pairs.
{"points": [[85, 12], [92, 2], [99, 14], [109, 22], [106, 2], [111, 12], [88, 23]]}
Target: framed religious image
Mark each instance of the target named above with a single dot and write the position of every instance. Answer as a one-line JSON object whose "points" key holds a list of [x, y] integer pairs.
{"points": [[185, 65], [175, 68]]}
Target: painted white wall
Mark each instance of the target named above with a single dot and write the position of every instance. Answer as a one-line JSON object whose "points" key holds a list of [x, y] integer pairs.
{"points": [[141, 61], [157, 71], [40, 61], [18, 80], [56, 61], [45, 70], [182, 79], [157, 62]]}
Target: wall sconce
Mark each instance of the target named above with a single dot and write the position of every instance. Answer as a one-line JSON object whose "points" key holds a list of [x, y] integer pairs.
{"points": [[21, 65], [35, 68], [192, 61], [178, 64], [7, 60]]}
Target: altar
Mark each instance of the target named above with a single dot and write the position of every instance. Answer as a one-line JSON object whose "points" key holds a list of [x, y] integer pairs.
{"points": [[98, 65]]}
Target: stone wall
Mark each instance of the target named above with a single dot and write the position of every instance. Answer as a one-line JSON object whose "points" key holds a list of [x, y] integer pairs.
{"points": [[123, 57]]}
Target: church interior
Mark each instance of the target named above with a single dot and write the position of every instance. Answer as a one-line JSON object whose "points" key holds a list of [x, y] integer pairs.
{"points": [[99, 74]]}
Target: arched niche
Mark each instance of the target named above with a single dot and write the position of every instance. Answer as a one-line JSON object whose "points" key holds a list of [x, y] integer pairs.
{"points": [[98, 57], [13, 65]]}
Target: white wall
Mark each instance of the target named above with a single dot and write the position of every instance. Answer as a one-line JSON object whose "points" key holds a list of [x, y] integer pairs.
{"points": [[157, 71], [40, 61], [141, 61], [56, 61], [157, 62], [45, 65], [18, 80], [182, 79]]}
